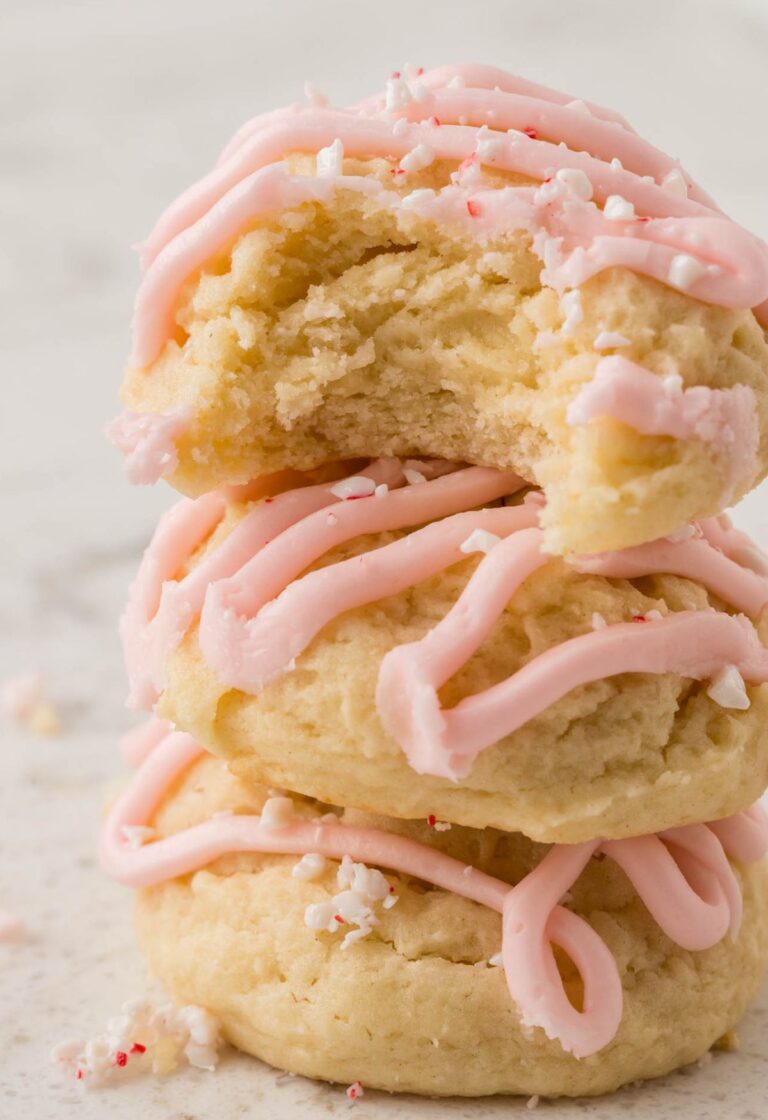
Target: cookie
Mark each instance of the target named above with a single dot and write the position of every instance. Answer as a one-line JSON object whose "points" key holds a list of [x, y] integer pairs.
{"points": [[400, 641], [386, 972], [471, 268]]}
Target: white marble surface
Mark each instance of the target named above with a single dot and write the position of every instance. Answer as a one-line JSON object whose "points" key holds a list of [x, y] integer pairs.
{"points": [[108, 108]]}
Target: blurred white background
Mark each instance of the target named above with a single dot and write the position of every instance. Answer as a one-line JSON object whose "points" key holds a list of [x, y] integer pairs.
{"points": [[108, 109]]}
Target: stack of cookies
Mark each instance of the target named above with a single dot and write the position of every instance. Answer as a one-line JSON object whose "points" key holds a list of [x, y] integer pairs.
{"points": [[457, 671]]}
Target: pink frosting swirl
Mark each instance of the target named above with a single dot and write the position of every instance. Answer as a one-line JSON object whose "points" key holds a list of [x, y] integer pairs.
{"points": [[671, 216], [258, 611], [682, 876]]}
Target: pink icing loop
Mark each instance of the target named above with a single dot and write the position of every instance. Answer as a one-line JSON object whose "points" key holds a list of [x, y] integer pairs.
{"points": [[745, 836], [139, 742], [532, 918], [233, 642], [688, 898]]}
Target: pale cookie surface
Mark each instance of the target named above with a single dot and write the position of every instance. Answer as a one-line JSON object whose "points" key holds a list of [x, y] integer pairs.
{"points": [[623, 755], [415, 1005], [330, 318]]}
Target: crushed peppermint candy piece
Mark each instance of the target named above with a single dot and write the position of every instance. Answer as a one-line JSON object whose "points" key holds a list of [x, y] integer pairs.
{"points": [[361, 888], [684, 533], [685, 270], [23, 699], [355, 1091], [728, 689], [310, 866], [496, 961], [479, 540], [277, 812], [418, 158], [598, 622], [136, 835], [313, 95], [413, 477], [358, 486], [400, 126], [577, 182], [579, 106], [616, 164], [570, 305], [398, 95], [330, 160], [618, 209], [143, 1038], [608, 340], [673, 384], [674, 181]]}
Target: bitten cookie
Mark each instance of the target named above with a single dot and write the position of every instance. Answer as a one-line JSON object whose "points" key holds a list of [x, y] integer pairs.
{"points": [[404, 644], [422, 970], [471, 267]]}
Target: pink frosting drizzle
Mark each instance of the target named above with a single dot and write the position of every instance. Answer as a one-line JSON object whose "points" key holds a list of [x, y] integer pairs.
{"points": [[258, 612], [574, 237], [148, 442], [682, 876], [726, 418]]}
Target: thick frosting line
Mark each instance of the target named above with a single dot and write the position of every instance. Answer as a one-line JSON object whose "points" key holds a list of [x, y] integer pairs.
{"points": [[225, 632], [160, 609], [693, 644], [590, 143], [250, 183], [724, 418], [248, 653], [685, 882]]}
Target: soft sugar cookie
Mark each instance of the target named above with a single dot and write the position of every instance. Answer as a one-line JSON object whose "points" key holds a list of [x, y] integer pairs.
{"points": [[423, 970], [471, 267], [400, 641]]}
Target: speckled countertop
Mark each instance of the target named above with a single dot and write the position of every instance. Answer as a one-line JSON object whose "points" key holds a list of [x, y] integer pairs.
{"points": [[107, 110]]}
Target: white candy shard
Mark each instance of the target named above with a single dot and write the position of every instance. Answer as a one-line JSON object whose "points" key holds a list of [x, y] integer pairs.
{"points": [[397, 95], [685, 270], [360, 888], [609, 340], [479, 540], [496, 960], [570, 305], [618, 209], [310, 866], [728, 689], [419, 157], [598, 622], [136, 835], [330, 160], [413, 477], [358, 486], [674, 182], [143, 1037], [684, 533], [576, 181], [579, 106], [277, 812]]}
